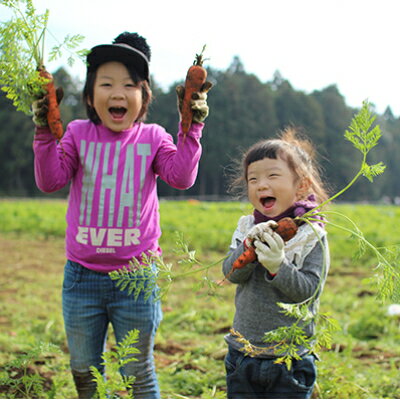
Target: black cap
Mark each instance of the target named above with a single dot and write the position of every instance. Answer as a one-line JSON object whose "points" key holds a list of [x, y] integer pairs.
{"points": [[121, 52]]}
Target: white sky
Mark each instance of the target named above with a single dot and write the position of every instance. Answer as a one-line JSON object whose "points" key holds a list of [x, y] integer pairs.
{"points": [[313, 43]]}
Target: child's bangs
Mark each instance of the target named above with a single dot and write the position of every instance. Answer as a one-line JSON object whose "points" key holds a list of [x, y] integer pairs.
{"points": [[272, 149], [268, 149], [134, 74]]}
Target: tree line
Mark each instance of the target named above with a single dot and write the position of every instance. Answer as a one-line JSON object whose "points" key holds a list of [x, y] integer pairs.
{"points": [[243, 110]]}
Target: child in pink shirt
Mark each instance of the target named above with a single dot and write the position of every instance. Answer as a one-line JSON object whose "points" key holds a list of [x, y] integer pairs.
{"points": [[112, 162]]}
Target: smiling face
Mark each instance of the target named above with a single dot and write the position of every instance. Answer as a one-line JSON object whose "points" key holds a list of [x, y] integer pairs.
{"points": [[272, 186], [117, 99]]}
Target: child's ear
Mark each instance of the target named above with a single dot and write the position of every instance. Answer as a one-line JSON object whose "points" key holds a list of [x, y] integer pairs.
{"points": [[303, 188]]}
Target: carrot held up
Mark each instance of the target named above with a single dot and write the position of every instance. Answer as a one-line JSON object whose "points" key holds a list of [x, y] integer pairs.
{"points": [[53, 112], [23, 76], [46, 111], [192, 97]]}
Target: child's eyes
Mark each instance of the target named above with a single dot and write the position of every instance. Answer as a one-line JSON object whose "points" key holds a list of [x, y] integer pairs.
{"points": [[128, 85], [253, 179]]}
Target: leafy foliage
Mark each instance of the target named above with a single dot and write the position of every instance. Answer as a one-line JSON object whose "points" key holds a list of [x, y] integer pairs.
{"points": [[114, 361], [138, 278], [365, 137], [18, 377], [151, 274], [22, 42]]}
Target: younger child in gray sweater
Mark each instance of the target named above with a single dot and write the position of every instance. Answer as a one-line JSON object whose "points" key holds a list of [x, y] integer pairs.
{"points": [[282, 180]]}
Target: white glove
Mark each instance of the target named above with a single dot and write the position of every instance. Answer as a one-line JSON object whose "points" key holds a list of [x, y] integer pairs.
{"points": [[270, 251], [199, 106], [257, 230]]}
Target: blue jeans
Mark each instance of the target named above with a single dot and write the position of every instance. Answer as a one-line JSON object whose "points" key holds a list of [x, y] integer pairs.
{"points": [[90, 302], [260, 378]]}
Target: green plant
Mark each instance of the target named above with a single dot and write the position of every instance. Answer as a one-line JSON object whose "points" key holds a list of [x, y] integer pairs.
{"points": [[365, 136], [20, 380], [190, 337], [114, 361], [22, 47], [151, 274]]}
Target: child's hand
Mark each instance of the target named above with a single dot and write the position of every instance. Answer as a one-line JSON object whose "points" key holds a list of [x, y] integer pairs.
{"points": [[199, 106], [198, 103], [270, 251], [40, 108], [257, 230]]}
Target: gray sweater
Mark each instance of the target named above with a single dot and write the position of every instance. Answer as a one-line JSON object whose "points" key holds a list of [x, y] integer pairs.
{"points": [[258, 293]]}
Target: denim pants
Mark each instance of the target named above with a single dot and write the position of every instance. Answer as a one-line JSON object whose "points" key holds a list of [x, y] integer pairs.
{"points": [[91, 301], [260, 378]]}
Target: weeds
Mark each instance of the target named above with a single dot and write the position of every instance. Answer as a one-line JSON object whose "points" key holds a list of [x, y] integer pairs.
{"points": [[189, 345], [18, 378]]}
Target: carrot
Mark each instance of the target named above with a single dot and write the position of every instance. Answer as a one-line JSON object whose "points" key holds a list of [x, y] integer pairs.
{"points": [[286, 228], [195, 79], [248, 256], [53, 113]]}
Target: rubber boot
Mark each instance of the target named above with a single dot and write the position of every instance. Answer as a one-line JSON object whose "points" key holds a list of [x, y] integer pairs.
{"points": [[85, 385]]}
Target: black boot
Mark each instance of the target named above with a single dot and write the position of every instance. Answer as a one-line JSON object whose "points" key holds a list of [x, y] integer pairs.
{"points": [[85, 385]]}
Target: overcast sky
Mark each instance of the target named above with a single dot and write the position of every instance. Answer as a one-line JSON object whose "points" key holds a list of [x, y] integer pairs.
{"points": [[313, 43]]}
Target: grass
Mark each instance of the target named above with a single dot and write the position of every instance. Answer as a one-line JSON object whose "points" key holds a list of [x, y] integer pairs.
{"points": [[363, 363]]}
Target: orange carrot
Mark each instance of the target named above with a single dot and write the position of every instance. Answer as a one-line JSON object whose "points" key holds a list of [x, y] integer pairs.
{"points": [[53, 113], [195, 79], [286, 228], [248, 256]]}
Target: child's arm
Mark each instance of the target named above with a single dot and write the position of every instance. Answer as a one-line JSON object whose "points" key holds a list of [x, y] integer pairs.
{"points": [[54, 165], [178, 165], [300, 284]]}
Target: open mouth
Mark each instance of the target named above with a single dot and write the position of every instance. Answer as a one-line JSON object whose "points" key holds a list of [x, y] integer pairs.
{"points": [[268, 202], [117, 113]]}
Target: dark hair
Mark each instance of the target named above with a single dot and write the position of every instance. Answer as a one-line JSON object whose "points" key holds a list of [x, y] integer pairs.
{"points": [[298, 152], [138, 42]]}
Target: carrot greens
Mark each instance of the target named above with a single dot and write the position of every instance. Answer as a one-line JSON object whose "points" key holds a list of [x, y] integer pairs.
{"points": [[22, 52]]}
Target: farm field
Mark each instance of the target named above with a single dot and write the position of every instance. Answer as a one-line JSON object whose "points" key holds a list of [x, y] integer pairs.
{"points": [[364, 361]]}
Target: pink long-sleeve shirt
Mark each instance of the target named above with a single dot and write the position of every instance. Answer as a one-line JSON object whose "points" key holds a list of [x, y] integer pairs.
{"points": [[113, 210]]}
